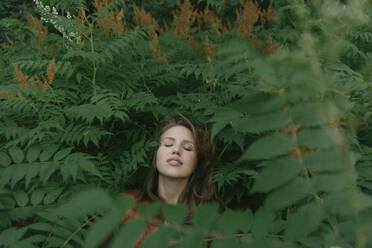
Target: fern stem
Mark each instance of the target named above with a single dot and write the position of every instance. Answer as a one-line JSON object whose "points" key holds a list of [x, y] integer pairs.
{"points": [[91, 41], [92, 49], [79, 229]]}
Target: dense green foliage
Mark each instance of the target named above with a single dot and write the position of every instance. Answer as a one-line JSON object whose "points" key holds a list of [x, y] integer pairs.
{"points": [[286, 90]]}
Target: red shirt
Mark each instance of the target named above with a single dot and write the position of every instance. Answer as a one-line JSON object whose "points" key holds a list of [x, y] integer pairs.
{"points": [[136, 194]]}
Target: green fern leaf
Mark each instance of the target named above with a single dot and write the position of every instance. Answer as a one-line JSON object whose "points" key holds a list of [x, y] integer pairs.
{"points": [[226, 242], [33, 153], [11, 236], [319, 137], [222, 119], [47, 171], [329, 160], [19, 173], [315, 114], [294, 191], [37, 196], [161, 238], [276, 173], [21, 198], [175, 214], [103, 227], [194, 238], [62, 154], [261, 123], [48, 152], [232, 222], [148, 211], [129, 234], [309, 217], [258, 103], [269, 146], [52, 195], [86, 202], [140, 100], [205, 215], [16, 154], [4, 159]]}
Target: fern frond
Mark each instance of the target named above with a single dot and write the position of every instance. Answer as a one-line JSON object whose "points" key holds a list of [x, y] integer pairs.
{"points": [[42, 164], [45, 131], [75, 134], [113, 101], [231, 173], [140, 100]]}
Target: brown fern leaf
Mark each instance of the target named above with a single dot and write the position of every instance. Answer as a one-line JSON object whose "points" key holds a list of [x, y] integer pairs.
{"points": [[38, 80], [255, 41], [266, 16], [5, 45], [111, 22], [208, 49], [11, 42], [45, 84], [100, 4], [247, 16], [184, 17], [292, 129], [51, 71], [270, 45], [195, 45], [143, 18], [32, 83], [211, 20], [7, 92], [21, 78], [10, 95], [154, 42], [39, 30], [299, 152]]}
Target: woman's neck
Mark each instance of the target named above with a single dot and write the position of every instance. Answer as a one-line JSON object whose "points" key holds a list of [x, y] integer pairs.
{"points": [[170, 189]]}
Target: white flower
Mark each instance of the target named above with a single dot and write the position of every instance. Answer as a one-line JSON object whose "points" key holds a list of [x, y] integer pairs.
{"points": [[55, 12]]}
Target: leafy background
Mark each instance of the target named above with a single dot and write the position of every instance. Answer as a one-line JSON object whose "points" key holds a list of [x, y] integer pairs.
{"points": [[284, 85]]}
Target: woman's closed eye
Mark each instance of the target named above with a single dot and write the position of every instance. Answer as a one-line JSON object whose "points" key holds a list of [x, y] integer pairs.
{"points": [[188, 148]]}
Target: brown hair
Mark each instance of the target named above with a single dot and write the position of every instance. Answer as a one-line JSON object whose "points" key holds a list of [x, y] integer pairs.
{"points": [[199, 187]]}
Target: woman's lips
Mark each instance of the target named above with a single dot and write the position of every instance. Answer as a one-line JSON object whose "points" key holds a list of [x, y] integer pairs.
{"points": [[174, 162]]}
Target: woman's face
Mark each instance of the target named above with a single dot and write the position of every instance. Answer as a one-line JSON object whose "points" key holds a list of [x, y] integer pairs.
{"points": [[176, 156]]}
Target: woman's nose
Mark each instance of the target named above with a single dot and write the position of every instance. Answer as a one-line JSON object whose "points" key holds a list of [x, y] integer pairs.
{"points": [[176, 150]]}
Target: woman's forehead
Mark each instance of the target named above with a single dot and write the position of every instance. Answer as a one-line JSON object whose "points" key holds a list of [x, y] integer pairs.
{"points": [[178, 132]]}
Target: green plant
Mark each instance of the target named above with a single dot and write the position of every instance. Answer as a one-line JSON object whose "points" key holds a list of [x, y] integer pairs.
{"points": [[289, 110]]}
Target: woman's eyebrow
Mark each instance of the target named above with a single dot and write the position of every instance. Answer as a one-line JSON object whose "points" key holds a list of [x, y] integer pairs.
{"points": [[184, 141]]}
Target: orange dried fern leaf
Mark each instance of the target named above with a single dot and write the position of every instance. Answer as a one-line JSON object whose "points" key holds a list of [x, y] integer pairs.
{"points": [[39, 30], [211, 20], [20, 78], [247, 15], [270, 45], [184, 17], [5, 45], [51, 71], [111, 22], [162, 58], [143, 18], [7, 93]]}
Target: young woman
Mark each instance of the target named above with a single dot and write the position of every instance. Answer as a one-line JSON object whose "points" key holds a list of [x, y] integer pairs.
{"points": [[181, 169], [182, 165]]}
